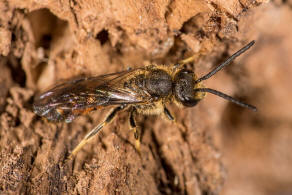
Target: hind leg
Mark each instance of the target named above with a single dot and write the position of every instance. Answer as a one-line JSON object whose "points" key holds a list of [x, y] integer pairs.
{"points": [[96, 129]]}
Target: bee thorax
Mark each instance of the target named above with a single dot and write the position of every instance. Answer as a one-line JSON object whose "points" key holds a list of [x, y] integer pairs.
{"points": [[159, 83]]}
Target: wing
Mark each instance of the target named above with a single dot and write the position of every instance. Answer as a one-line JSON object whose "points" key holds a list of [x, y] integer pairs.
{"points": [[68, 100]]}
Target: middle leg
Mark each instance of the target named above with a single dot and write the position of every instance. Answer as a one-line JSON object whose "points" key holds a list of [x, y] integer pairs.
{"points": [[137, 130]]}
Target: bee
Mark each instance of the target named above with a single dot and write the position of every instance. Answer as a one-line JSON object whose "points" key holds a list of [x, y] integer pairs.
{"points": [[144, 90]]}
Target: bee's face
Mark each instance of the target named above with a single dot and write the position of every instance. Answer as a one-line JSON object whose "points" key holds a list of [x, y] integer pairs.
{"points": [[184, 84]]}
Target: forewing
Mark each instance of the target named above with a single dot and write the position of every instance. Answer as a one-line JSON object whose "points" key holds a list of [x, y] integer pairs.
{"points": [[70, 99]]}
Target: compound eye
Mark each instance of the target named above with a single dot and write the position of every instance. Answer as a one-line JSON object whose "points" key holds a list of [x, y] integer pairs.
{"points": [[190, 102]]}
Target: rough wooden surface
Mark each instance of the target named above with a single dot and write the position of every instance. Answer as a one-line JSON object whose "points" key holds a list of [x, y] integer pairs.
{"points": [[42, 42]]}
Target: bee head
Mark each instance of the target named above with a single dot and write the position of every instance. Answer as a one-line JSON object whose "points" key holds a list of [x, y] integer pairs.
{"points": [[184, 84], [189, 91]]}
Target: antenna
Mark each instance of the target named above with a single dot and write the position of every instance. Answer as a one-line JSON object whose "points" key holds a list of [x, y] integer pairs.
{"points": [[226, 62], [227, 97]]}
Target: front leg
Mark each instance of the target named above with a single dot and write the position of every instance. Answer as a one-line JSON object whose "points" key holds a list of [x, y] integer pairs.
{"points": [[168, 114], [186, 61]]}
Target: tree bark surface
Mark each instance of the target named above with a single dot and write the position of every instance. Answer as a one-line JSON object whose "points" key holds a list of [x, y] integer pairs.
{"points": [[45, 42]]}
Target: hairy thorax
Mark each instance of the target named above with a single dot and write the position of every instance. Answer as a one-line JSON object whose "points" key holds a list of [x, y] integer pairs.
{"points": [[156, 85]]}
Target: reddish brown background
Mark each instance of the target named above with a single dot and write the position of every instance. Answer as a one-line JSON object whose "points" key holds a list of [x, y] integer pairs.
{"points": [[215, 148]]}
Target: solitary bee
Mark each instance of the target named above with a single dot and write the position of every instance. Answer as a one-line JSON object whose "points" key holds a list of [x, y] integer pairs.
{"points": [[144, 90]]}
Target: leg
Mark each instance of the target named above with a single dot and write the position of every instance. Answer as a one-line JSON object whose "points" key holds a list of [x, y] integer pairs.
{"points": [[187, 60], [168, 114], [172, 119], [137, 130], [95, 130]]}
